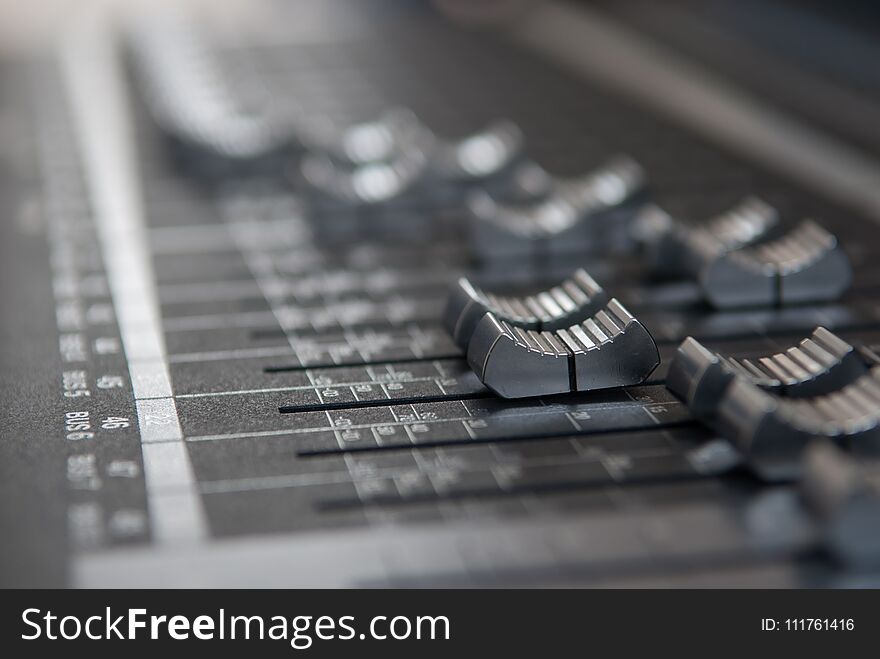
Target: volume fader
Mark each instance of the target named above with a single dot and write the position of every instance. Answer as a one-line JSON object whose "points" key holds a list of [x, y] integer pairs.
{"points": [[772, 431], [568, 303], [671, 245], [573, 215], [610, 349], [805, 265], [819, 364]]}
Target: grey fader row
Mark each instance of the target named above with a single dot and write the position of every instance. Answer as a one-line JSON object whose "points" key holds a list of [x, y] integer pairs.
{"points": [[772, 407], [737, 263], [610, 349], [572, 301], [192, 99]]}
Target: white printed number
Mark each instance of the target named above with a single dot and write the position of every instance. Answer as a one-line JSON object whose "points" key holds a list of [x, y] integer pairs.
{"points": [[115, 422]]}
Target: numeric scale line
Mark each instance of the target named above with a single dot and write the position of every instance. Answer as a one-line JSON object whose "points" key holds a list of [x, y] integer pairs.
{"points": [[437, 443]]}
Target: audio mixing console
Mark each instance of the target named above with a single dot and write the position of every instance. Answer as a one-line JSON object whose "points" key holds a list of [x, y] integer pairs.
{"points": [[396, 302]]}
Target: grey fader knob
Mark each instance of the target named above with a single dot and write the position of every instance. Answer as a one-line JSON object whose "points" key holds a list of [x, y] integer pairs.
{"points": [[610, 349], [771, 431], [367, 184], [671, 245], [805, 265], [572, 214], [488, 153], [570, 302], [384, 138], [820, 363], [844, 498]]}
